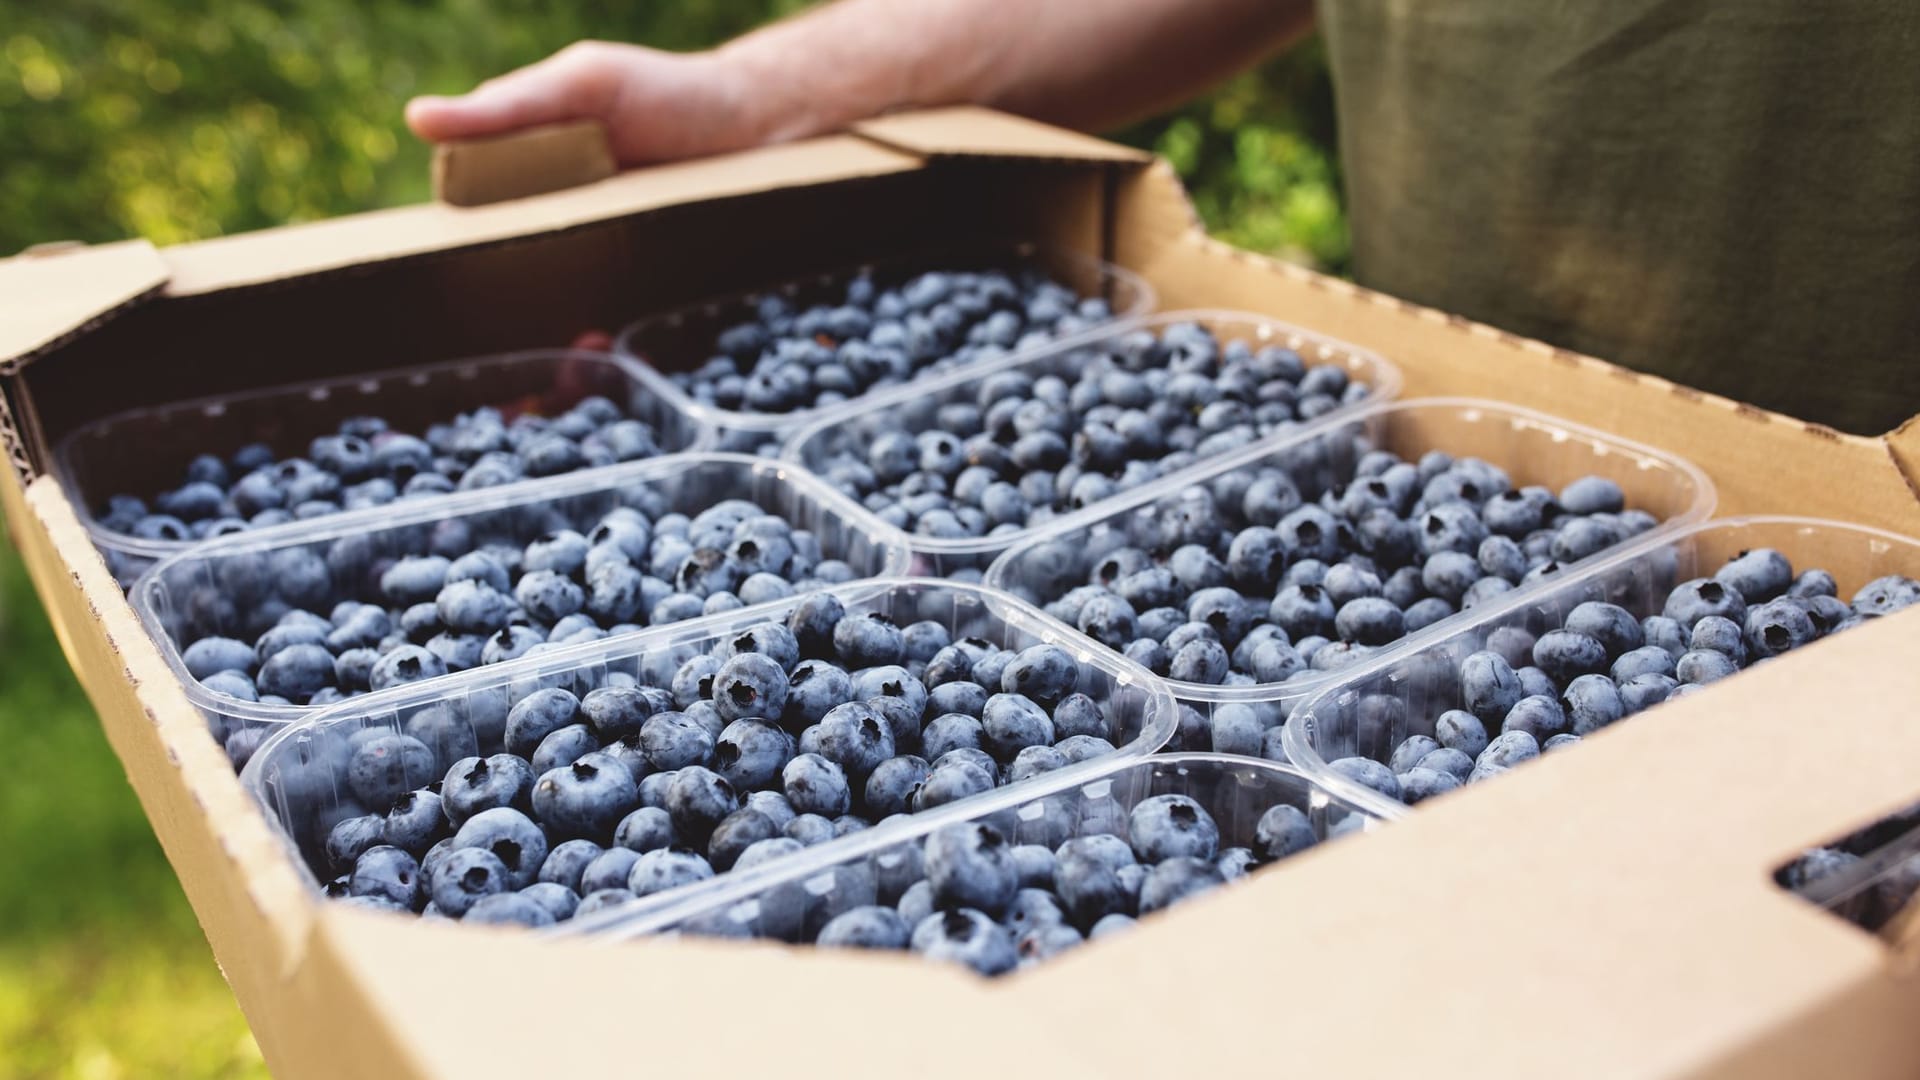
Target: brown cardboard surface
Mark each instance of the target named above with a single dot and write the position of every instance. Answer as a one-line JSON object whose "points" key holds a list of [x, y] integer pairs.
{"points": [[474, 172], [1761, 462], [59, 293], [1606, 913], [256, 258], [965, 130]]}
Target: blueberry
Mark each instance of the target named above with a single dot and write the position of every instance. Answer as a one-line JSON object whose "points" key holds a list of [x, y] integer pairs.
{"points": [[352, 837], [586, 798], [566, 862], [1592, 702], [1370, 621], [1612, 626], [750, 686], [698, 800], [853, 736], [464, 878], [965, 937], [1012, 722], [1172, 826], [1702, 667], [1489, 688], [751, 753], [211, 655], [511, 837], [388, 873], [891, 788], [1565, 655], [1592, 495], [1772, 628], [866, 927], [867, 640], [1177, 879], [971, 866], [1368, 773], [1646, 691], [387, 766], [1648, 659], [1509, 749], [667, 868], [952, 779], [537, 715], [736, 833], [414, 822], [406, 664], [674, 741], [1046, 674], [1758, 576], [473, 785], [1694, 600]]}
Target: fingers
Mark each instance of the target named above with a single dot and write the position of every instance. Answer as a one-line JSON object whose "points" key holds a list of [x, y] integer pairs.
{"points": [[580, 81]]}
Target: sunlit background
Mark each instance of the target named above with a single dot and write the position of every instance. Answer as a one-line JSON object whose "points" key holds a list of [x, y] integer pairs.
{"points": [[124, 118]]}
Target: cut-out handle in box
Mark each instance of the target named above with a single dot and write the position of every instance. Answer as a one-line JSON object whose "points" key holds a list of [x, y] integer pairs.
{"points": [[552, 157]]}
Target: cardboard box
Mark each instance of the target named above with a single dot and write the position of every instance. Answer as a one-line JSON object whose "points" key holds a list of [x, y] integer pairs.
{"points": [[1605, 913]]}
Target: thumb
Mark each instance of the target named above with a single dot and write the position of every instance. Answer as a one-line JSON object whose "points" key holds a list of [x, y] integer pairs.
{"points": [[580, 81]]}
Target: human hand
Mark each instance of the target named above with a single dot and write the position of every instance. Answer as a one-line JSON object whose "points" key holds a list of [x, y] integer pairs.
{"points": [[656, 106]]}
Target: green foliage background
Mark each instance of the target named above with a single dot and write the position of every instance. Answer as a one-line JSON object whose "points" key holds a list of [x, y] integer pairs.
{"points": [[176, 122]]}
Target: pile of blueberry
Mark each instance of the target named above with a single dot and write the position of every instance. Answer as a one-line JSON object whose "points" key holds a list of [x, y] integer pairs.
{"points": [[779, 736], [971, 894], [1268, 574], [783, 360], [365, 464], [1524, 695], [448, 604], [1022, 449]]}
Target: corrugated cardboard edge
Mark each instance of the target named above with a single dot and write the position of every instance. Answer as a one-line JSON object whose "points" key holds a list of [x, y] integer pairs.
{"points": [[969, 131], [474, 172]]}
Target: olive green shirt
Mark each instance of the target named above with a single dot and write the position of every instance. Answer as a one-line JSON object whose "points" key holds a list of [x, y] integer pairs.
{"points": [[1722, 192]]}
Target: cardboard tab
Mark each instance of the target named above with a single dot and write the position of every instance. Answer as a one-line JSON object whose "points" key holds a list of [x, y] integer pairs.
{"points": [[49, 295], [969, 131], [474, 172]]}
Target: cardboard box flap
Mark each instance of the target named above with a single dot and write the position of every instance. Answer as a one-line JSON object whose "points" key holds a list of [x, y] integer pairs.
{"points": [[47, 298], [474, 172], [968, 131], [386, 235], [1903, 444]]}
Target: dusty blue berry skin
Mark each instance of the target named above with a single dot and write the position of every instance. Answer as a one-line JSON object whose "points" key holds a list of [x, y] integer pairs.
{"points": [[512, 837], [464, 878], [971, 866], [667, 868], [1169, 826], [966, 937], [1175, 880], [585, 799], [867, 927], [1282, 831]]}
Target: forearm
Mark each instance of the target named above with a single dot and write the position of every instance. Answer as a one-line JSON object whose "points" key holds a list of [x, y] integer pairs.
{"points": [[1090, 64]]}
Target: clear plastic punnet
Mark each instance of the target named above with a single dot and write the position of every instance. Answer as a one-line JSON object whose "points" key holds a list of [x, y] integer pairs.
{"points": [[146, 451], [1372, 708], [915, 410], [239, 586], [685, 338], [792, 900], [1531, 447], [303, 775]]}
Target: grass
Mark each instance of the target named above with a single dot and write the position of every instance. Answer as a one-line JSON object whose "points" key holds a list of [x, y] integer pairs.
{"points": [[103, 970]]}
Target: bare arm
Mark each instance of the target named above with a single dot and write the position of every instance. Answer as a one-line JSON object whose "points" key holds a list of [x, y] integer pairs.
{"points": [[1085, 63]]}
